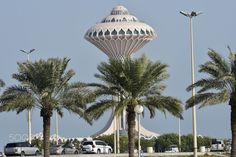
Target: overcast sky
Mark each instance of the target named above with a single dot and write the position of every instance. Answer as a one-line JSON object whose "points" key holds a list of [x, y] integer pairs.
{"points": [[56, 28]]}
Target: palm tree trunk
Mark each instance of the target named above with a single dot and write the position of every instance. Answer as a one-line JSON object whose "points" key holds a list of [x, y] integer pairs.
{"points": [[131, 132], [46, 134], [233, 129]]}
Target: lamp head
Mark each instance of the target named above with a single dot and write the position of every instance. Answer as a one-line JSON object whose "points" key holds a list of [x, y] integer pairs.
{"points": [[193, 13], [23, 51], [138, 109], [32, 50], [27, 52], [190, 15], [184, 13]]}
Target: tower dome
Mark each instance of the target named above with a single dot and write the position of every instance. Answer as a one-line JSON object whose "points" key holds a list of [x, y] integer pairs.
{"points": [[119, 10], [120, 34]]}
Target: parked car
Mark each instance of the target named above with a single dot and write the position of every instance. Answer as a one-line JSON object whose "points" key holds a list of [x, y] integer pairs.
{"points": [[62, 149], [1, 154], [20, 148], [56, 149], [95, 146], [217, 145], [172, 149]]}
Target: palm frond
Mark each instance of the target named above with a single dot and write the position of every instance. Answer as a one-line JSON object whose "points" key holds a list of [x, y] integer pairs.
{"points": [[206, 99], [2, 83], [59, 111], [165, 104], [152, 110], [97, 109], [219, 85], [121, 105], [16, 98], [219, 62], [78, 110], [78, 94], [155, 89], [224, 82]]}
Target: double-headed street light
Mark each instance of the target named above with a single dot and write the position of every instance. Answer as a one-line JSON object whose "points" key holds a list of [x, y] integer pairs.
{"points": [[29, 111], [190, 16], [28, 53], [138, 109]]}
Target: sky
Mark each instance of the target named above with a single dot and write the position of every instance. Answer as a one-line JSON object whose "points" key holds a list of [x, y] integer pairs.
{"points": [[56, 28]]}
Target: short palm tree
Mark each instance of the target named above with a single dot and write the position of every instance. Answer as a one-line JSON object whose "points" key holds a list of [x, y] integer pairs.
{"points": [[45, 85], [137, 82], [218, 87]]}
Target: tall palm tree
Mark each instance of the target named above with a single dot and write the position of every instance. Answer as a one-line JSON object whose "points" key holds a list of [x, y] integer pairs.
{"points": [[218, 87], [45, 85], [137, 82]]}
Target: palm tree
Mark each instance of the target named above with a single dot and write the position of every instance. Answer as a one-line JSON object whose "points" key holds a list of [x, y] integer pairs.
{"points": [[218, 87], [2, 83], [137, 82], [45, 85]]}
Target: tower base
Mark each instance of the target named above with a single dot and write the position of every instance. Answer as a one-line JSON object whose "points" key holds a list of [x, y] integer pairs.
{"points": [[110, 128]]}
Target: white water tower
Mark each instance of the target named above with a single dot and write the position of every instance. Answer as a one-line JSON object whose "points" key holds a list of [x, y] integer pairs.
{"points": [[119, 35]]}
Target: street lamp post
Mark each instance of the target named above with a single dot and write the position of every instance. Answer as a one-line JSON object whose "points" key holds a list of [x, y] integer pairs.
{"points": [[29, 111], [179, 136], [190, 16], [57, 128], [138, 109]]}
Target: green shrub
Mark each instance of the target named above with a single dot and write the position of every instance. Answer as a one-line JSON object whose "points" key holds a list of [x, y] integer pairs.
{"points": [[146, 143], [165, 140]]}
